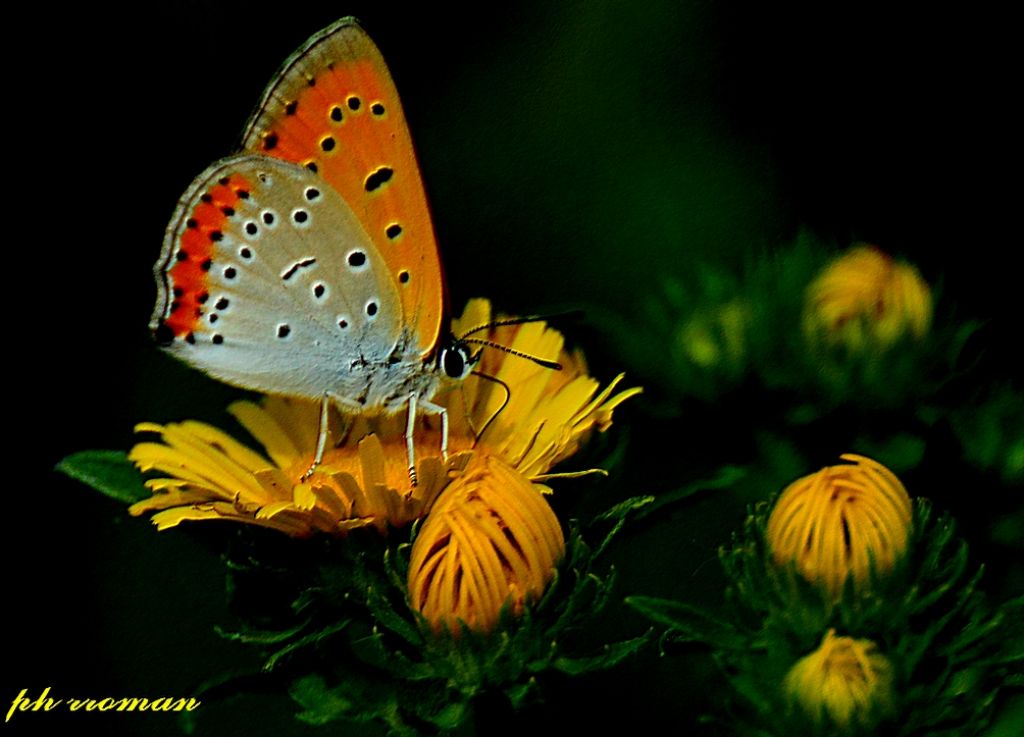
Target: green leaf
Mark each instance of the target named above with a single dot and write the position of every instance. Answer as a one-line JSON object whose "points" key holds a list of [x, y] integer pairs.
{"points": [[450, 717], [109, 472], [312, 639], [259, 637], [374, 651], [320, 703], [613, 654], [520, 693], [619, 514], [726, 477], [690, 622], [355, 698], [381, 608], [623, 509]]}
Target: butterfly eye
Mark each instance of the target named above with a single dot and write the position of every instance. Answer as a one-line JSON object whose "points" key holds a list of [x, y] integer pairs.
{"points": [[456, 362]]}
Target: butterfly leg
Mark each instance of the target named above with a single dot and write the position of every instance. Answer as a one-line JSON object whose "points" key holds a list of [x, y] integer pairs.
{"points": [[324, 429], [437, 409], [321, 437], [410, 428]]}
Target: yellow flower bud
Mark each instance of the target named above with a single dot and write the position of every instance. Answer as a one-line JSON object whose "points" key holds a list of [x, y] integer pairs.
{"points": [[840, 521], [490, 539], [845, 681], [716, 336], [864, 297]]}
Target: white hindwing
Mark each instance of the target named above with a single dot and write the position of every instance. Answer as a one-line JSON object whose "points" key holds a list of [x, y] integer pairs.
{"points": [[299, 300]]}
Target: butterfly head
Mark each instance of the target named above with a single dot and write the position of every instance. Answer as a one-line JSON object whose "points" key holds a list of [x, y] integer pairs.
{"points": [[456, 359]]}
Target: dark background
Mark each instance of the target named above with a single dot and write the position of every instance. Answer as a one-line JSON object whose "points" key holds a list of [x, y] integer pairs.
{"points": [[574, 153]]}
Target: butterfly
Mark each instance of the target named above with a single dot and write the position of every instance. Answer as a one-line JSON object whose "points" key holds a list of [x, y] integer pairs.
{"points": [[306, 265]]}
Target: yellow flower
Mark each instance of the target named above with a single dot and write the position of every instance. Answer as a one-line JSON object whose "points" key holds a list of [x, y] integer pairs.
{"points": [[865, 297], [364, 481], [845, 681], [841, 521], [712, 337], [546, 415], [490, 541], [210, 475]]}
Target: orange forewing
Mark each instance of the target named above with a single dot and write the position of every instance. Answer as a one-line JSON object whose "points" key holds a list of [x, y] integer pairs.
{"points": [[334, 108]]}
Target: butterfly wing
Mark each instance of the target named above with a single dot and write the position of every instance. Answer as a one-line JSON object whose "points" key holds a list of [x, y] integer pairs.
{"points": [[333, 109], [269, 281]]}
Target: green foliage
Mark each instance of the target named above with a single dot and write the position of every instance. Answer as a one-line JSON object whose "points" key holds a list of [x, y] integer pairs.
{"points": [[690, 337], [351, 648], [108, 471], [719, 330], [689, 623], [991, 432], [951, 649], [727, 477]]}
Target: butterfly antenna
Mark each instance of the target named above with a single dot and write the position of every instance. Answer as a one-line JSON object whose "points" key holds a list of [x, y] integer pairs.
{"points": [[512, 351], [520, 321], [508, 397]]}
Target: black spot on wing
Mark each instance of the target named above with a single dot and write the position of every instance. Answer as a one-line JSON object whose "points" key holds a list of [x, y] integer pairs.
{"points": [[290, 272], [378, 178]]}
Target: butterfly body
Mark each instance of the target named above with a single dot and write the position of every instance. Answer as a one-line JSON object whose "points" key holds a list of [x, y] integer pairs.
{"points": [[306, 265]]}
